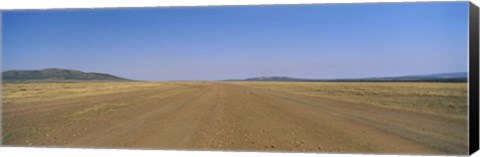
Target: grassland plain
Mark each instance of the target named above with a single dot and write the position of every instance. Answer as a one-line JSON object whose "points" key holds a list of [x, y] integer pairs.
{"points": [[15, 93], [408, 118], [448, 99]]}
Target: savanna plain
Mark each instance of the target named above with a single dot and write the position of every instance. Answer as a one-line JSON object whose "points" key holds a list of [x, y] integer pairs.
{"points": [[349, 117]]}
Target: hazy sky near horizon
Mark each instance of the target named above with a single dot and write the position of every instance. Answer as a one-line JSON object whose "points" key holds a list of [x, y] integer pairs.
{"points": [[234, 42]]}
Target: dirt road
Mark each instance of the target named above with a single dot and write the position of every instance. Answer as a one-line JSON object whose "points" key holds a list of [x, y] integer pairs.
{"points": [[228, 116]]}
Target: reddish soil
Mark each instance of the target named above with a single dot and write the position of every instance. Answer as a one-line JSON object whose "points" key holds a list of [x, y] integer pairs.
{"points": [[223, 116]]}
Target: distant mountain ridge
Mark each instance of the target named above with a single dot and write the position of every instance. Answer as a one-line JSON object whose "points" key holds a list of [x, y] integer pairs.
{"points": [[458, 76], [442, 77], [55, 74], [64, 75]]}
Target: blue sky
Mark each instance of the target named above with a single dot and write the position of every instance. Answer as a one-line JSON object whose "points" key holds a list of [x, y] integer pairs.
{"points": [[214, 43]]}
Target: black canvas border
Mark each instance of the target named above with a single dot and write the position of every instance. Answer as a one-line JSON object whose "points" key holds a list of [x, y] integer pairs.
{"points": [[473, 79]]}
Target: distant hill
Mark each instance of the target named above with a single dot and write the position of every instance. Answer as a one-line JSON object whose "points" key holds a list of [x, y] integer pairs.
{"points": [[443, 77], [55, 75]]}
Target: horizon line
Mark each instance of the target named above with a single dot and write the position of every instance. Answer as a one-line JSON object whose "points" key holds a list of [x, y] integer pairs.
{"points": [[244, 78]]}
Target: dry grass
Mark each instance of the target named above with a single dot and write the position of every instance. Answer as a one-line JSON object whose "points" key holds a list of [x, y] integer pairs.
{"points": [[28, 93], [449, 99], [18, 93]]}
